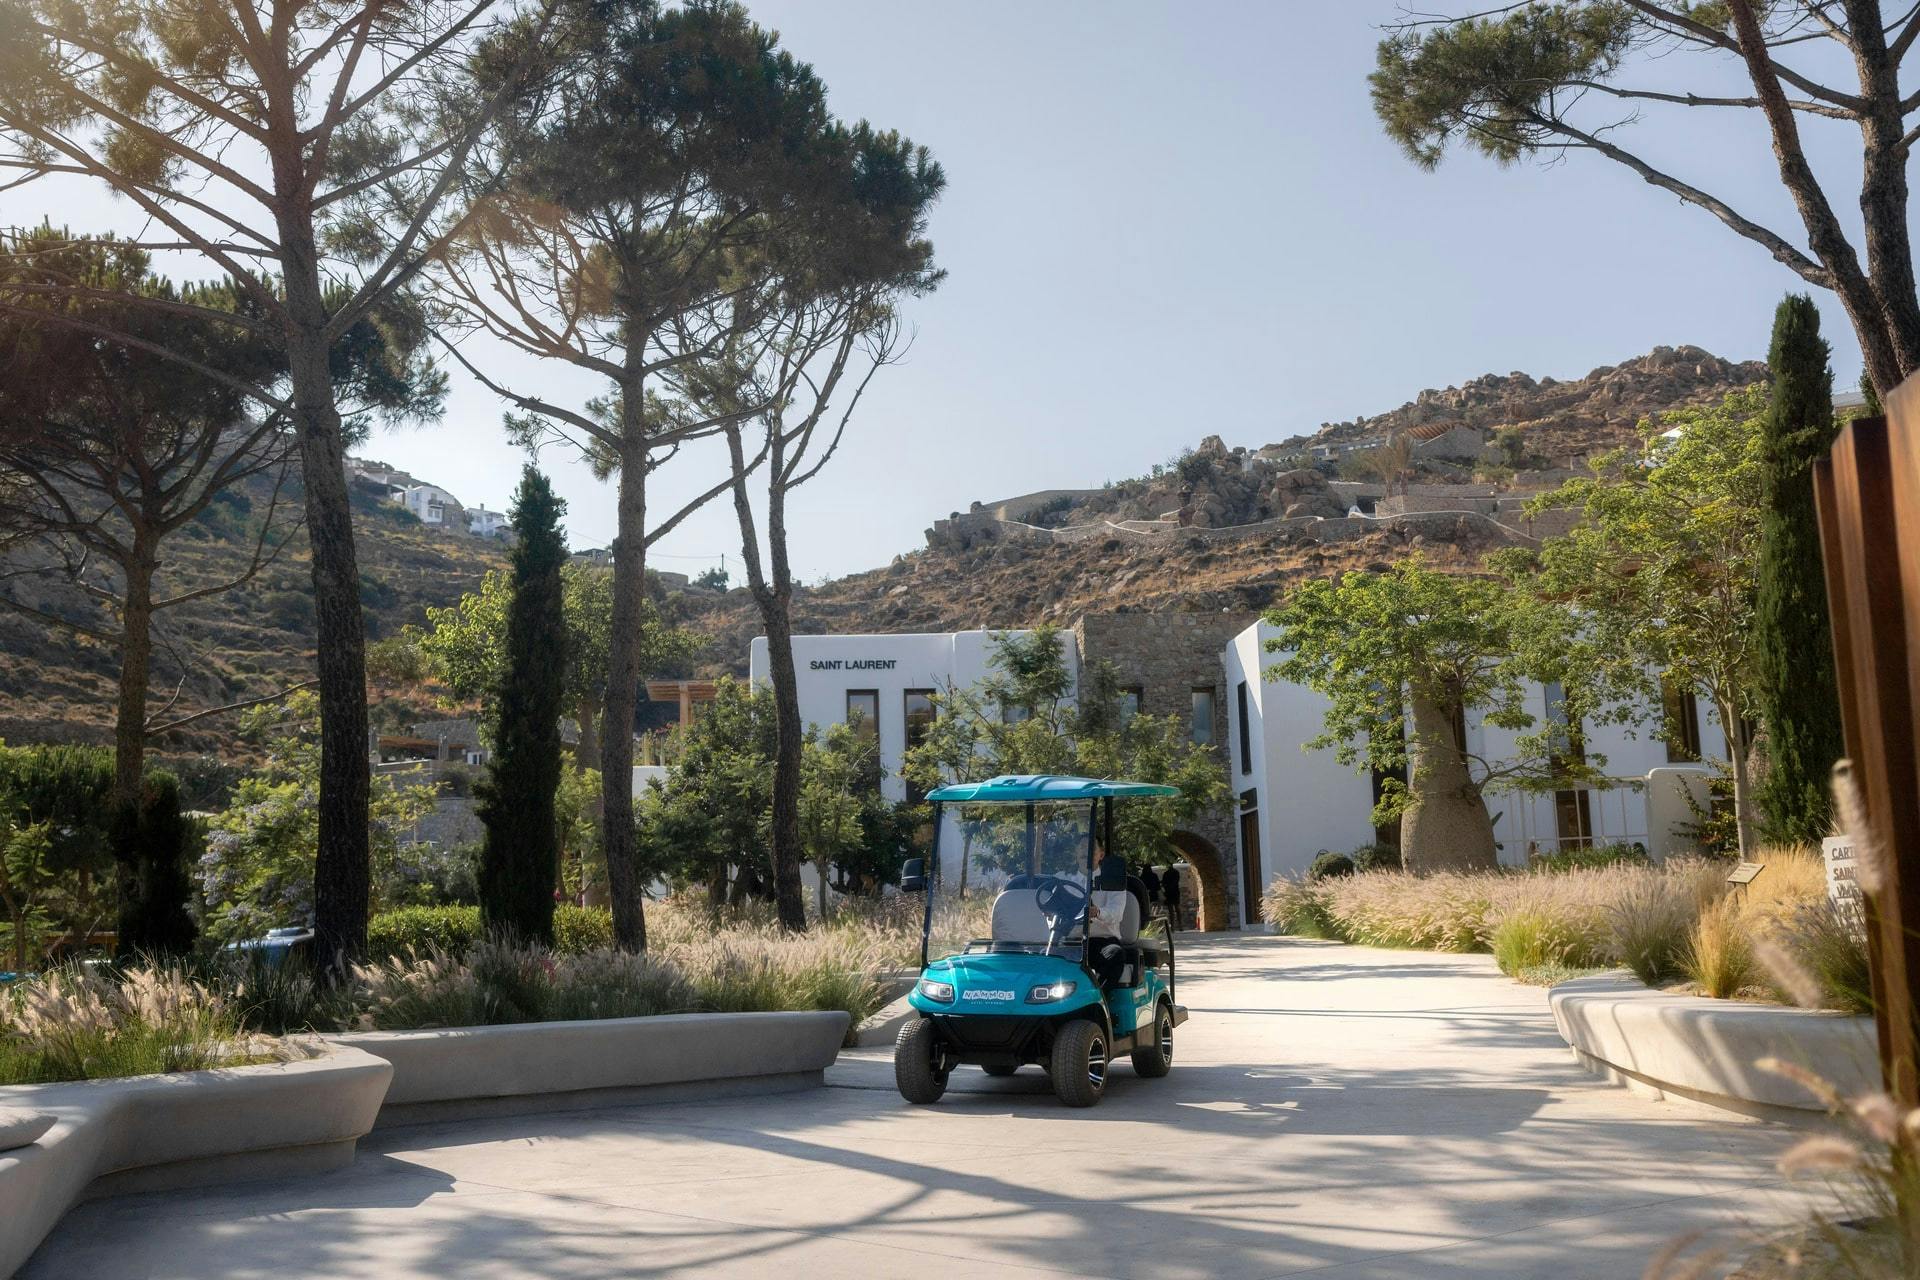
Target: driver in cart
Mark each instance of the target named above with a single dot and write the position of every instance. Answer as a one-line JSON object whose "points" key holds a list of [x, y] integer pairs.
{"points": [[1106, 908]]}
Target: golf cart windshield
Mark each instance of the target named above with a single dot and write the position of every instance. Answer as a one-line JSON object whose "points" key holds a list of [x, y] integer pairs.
{"points": [[1030, 840]]}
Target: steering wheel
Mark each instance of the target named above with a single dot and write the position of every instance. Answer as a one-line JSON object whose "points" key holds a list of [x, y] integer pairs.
{"points": [[1061, 900]]}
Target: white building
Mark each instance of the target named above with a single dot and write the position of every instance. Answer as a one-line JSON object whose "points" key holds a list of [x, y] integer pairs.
{"points": [[482, 523], [1294, 804], [889, 681], [434, 505]]}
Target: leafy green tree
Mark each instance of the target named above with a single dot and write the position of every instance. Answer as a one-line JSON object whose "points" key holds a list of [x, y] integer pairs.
{"points": [[1403, 658], [707, 823], [1026, 716], [1793, 642], [1663, 567], [258, 872], [119, 443], [310, 152], [583, 873], [27, 882], [520, 862], [464, 645], [1514, 81]]}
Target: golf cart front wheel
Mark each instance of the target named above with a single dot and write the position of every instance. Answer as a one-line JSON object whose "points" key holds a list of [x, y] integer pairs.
{"points": [[916, 1066], [1155, 1060], [1080, 1064]]}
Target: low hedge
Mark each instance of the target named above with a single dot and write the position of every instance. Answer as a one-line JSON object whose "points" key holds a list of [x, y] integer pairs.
{"points": [[451, 930]]}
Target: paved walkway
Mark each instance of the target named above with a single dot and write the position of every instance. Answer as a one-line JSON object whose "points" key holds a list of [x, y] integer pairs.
{"points": [[1334, 1111]]}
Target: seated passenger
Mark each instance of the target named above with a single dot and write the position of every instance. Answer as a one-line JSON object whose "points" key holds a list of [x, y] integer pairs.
{"points": [[1106, 917]]}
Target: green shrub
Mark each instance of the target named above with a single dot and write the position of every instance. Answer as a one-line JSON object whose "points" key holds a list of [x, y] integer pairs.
{"points": [[417, 931], [1376, 857], [1532, 939], [275, 998], [1330, 864], [581, 929], [1587, 859]]}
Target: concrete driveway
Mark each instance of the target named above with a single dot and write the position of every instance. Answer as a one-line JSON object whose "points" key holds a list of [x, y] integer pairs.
{"points": [[1333, 1111]]}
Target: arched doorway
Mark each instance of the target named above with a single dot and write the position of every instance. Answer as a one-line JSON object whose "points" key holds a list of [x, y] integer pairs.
{"points": [[1209, 876]]}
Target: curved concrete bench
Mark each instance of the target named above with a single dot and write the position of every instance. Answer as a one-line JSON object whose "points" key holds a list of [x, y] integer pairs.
{"points": [[458, 1072], [1705, 1050], [186, 1129]]}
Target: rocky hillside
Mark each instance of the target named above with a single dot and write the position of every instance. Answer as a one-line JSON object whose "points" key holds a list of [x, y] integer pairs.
{"points": [[1008, 585], [227, 647], [1588, 414]]}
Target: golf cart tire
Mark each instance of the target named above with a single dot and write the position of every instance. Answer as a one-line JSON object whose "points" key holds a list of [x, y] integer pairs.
{"points": [[999, 1069], [913, 1064], [1155, 1060], [1078, 1079]]}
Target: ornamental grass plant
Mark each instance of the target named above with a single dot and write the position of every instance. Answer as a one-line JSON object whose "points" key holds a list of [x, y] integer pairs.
{"points": [[74, 1024], [1556, 918]]}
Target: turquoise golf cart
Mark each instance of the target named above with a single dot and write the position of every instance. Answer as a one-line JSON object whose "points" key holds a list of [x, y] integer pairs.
{"points": [[1040, 991]]}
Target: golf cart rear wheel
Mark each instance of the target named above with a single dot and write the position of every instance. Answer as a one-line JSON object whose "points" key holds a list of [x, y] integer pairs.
{"points": [[916, 1068], [1080, 1064], [999, 1069], [1155, 1060]]}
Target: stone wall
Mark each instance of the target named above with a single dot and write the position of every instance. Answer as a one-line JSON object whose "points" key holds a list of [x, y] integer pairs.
{"points": [[1167, 656]]}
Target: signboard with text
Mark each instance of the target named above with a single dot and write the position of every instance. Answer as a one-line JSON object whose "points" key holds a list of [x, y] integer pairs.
{"points": [[1842, 889]]}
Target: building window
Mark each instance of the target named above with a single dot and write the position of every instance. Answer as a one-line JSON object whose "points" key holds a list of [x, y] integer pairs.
{"points": [[1203, 716], [863, 712], [1014, 713], [1246, 731], [919, 722], [1131, 697], [1572, 815], [1680, 722]]}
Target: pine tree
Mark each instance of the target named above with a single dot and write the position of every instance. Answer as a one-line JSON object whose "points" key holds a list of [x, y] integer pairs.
{"points": [[1794, 643], [519, 863]]}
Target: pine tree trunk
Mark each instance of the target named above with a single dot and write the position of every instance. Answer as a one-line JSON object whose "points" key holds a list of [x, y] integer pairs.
{"points": [[130, 732], [1446, 827], [623, 687], [586, 753], [1739, 747], [342, 875]]}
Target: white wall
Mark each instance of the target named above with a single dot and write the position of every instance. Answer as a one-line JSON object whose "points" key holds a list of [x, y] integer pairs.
{"points": [[1307, 800], [891, 664]]}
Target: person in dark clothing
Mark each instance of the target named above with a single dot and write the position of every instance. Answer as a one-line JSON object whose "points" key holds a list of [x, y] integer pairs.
{"points": [[1151, 879], [1170, 890]]}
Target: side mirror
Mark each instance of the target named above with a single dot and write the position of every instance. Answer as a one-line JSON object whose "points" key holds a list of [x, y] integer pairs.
{"points": [[913, 876]]}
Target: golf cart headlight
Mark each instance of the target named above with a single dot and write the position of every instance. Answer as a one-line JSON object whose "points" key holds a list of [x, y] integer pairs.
{"points": [[940, 991], [1048, 992]]}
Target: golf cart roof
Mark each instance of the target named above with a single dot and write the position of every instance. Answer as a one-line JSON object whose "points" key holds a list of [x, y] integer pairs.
{"points": [[1021, 788]]}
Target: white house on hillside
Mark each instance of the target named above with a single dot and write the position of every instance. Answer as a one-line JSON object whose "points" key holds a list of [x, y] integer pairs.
{"points": [[434, 505], [482, 523]]}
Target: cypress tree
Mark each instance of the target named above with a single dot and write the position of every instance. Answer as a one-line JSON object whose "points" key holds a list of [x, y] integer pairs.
{"points": [[521, 854], [1797, 695], [160, 843]]}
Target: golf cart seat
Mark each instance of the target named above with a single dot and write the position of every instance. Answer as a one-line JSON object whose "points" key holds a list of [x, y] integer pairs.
{"points": [[1017, 916]]}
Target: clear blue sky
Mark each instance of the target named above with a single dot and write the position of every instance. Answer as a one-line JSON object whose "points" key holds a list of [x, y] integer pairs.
{"points": [[1164, 222]]}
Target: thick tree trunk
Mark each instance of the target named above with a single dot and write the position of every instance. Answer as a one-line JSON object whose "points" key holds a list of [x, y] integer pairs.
{"points": [[775, 600], [130, 729], [623, 687], [342, 873], [1883, 188], [1740, 748], [1446, 828], [1863, 292], [586, 753], [787, 736]]}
